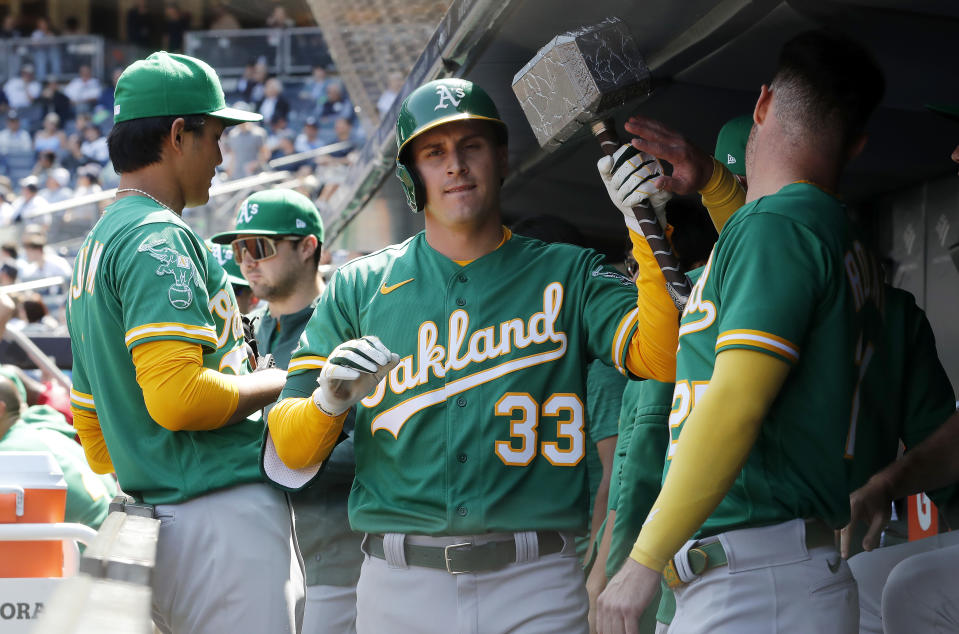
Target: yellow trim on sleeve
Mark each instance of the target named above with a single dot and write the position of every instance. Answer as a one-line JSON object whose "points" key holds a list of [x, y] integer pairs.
{"points": [[200, 333], [302, 434], [722, 195], [758, 339], [179, 393], [81, 399], [620, 339], [306, 363]]}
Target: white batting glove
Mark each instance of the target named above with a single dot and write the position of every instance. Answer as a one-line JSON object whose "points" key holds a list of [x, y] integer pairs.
{"points": [[351, 372], [628, 175]]}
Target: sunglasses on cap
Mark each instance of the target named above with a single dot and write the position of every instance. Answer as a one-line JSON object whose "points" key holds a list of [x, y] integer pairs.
{"points": [[260, 248]]}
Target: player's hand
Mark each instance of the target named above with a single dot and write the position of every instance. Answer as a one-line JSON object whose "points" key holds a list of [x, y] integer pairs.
{"points": [[871, 503], [630, 176], [595, 584], [692, 168], [625, 598], [351, 372]]}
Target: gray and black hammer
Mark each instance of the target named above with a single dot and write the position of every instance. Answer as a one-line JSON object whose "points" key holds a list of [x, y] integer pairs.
{"points": [[577, 79]]}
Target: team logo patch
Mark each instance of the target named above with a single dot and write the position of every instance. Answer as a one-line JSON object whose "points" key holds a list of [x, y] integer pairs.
{"points": [[446, 96], [179, 266], [599, 271]]}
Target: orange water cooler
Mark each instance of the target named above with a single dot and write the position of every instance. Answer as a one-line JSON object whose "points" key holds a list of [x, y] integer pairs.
{"points": [[32, 491]]}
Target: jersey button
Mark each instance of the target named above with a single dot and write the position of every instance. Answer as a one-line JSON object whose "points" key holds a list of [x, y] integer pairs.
{"points": [[461, 402], [462, 278], [460, 301], [462, 457], [461, 511]]}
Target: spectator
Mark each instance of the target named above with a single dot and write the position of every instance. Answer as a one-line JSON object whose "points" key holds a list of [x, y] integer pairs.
{"points": [[78, 220], [337, 105], [46, 161], [8, 272], [52, 99], [28, 204], [9, 251], [40, 261], [392, 91], [9, 28], [278, 19], [57, 186], [140, 25], [221, 19], [252, 84], [105, 102], [71, 26], [176, 22], [243, 146], [35, 316], [83, 90], [344, 134], [94, 146], [13, 139], [23, 90], [46, 52], [273, 105], [50, 137], [309, 139], [279, 129], [314, 88]]}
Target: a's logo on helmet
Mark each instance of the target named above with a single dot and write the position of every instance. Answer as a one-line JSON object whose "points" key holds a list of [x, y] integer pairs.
{"points": [[446, 96]]}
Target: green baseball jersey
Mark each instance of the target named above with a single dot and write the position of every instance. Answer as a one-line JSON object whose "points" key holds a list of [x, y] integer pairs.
{"points": [[143, 275], [88, 494], [786, 278], [480, 427], [906, 394], [604, 396], [331, 550]]}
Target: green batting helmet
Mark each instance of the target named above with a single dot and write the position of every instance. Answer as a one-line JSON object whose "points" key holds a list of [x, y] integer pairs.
{"points": [[433, 104]]}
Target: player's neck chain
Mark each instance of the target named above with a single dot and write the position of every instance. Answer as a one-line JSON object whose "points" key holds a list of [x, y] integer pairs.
{"points": [[140, 191]]}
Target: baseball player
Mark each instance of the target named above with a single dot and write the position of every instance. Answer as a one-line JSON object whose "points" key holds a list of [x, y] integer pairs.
{"points": [[245, 299], [88, 494], [465, 350], [277, 239], [163, 393], [756, 436], [909, 588]]}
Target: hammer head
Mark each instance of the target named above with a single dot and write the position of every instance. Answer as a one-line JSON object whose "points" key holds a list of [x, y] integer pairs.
{"points": [[579, 77]]}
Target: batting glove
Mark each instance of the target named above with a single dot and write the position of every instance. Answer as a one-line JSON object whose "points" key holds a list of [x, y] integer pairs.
{"points": [[352, 371], [628, 175]]}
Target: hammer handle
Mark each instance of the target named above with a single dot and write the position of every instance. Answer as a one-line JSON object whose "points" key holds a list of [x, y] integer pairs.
{"points": [[677, 284]]}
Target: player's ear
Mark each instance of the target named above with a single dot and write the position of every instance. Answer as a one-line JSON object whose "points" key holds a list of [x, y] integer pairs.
{"points": [[176, 134], [762, 104], [856, 148]]}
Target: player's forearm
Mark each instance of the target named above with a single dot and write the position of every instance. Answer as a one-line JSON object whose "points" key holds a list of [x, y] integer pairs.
{"points": [[932, 464], [712, 449], [652, 350], [303, 435], [94, 446], [256, 391], [722, 195]]}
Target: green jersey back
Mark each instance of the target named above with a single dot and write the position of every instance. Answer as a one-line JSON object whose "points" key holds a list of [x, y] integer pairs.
{"points": [[906, 394], [481, 425], [143, 275], [786, 278]]}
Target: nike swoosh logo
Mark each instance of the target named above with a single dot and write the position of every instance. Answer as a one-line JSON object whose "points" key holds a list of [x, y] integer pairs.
{"points": [[386, 290]]}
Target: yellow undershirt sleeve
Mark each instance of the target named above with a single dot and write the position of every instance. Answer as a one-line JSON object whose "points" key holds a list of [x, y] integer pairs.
{"points": [[302, 434], [722, 195], [180, 394], [652, 349], [712, 449], [91, 439]]}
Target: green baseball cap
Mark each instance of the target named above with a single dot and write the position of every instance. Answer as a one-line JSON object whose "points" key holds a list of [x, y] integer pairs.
{"points": [[731, 144], [275, 212], [168, 84], [224, 255], [947, 110]]}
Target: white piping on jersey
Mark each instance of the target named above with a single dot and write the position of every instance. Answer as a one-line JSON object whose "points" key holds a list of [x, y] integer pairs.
{"points": [[81, 398], [619, 341], [172, 328], [740, 337], [481, 347]]}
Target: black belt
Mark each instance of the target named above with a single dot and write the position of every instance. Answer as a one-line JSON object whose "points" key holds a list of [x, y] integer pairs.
{"points": [[467, 557]]}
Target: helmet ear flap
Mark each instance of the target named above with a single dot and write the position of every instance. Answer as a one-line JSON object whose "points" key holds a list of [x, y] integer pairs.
{"points": [[412, 187]]}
